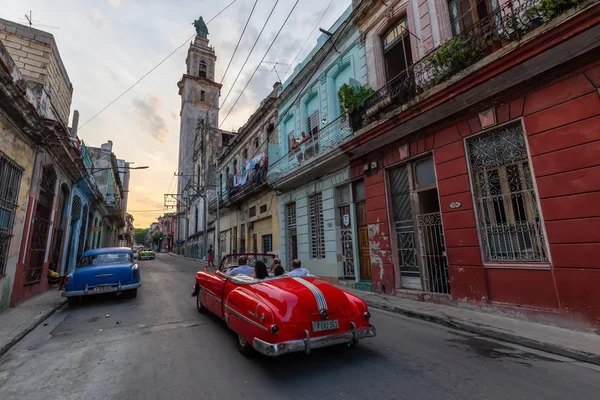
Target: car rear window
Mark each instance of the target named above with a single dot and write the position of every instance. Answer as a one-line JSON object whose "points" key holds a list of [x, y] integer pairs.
{"points": [[105, 258]]}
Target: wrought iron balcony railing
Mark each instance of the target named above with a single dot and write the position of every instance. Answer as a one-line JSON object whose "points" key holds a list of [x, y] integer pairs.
{"points": [[507, 23], [326, 139]]}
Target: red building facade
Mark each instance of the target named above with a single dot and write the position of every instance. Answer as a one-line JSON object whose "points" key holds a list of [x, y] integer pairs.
{"points": [[494, 197]]}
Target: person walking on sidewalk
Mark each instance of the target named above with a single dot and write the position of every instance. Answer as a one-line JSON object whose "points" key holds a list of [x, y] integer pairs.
{"points": [[210, 257]]}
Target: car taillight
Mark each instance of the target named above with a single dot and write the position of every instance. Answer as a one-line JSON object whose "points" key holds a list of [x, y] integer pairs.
{"points": [[135, 271], [67, 280], [367, 315]]}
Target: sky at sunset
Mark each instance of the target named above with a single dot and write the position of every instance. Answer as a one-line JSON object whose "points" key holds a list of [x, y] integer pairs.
{"points": [[107, 45]]}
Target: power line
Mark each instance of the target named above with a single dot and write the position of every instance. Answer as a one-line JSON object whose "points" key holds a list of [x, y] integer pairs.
{"points": [[258, 66], [250, 53], [308, 37], [341, 29], [152, 70], [210, 106]]}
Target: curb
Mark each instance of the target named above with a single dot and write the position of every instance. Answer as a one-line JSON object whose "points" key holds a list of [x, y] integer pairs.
{"points": [[31, 327], [491, 333], [186, 258]]}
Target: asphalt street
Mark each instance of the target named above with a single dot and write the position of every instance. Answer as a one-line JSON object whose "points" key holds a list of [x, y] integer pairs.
{"points": [[158, 347]]}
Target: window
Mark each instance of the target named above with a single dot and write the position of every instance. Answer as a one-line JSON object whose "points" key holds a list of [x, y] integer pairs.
{"points": [[256, 144], [263, 208], [424, 172], [313, 123], [267, 243], [252, 212], [397, 50], [466, 13], [10, 181], [202, 69], [317, 228], [245, 154], [505, 200], [234, 167], [358, 189], [343, 193], [291, 138], [202, 95]]}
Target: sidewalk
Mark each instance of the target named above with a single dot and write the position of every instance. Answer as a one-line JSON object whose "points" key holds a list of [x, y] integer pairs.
{"points": [[574, 344], [202, 262], [16, 322]]}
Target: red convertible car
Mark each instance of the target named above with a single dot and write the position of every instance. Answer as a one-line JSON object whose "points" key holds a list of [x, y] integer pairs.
{"points": [[283, 314]]}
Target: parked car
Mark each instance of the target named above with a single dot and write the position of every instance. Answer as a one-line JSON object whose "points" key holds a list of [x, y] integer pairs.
{"points": [[147, 254], [283, 314], [135, 254], [105, 270]]}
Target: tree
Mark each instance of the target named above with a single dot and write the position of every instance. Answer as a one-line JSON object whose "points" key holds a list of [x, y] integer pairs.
{"points": [[140, 235], [156, 236]]}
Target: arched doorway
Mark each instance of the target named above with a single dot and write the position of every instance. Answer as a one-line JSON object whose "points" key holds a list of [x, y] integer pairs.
{"points": [[82, 232], [61, 224], [41, 226], [75, 217]]}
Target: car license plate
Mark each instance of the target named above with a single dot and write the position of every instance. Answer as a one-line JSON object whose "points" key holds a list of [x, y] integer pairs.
{"points": [[102, 288], [319, 326]]}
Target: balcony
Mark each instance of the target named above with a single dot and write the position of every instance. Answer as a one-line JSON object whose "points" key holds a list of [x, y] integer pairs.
{"points": [[235, 191], [507, 24], [311, 152]]}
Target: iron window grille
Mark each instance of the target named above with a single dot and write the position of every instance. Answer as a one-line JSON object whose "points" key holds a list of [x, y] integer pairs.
{"points": [[505, 199], [317, 228], [10, 182], [252, 212], [263, 208]]}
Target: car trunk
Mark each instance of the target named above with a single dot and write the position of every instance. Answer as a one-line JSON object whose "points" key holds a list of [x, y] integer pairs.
{"points": [[96, 275], [304, 299]]}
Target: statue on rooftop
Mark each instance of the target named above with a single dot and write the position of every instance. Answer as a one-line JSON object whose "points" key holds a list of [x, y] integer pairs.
{"points": [[201, 29]]}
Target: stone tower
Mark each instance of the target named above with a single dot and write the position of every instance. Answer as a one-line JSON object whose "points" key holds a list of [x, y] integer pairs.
{"points": [[199, 113]]}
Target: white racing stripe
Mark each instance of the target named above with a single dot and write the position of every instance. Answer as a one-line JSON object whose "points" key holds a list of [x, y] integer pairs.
{"points": [[319, 297]]}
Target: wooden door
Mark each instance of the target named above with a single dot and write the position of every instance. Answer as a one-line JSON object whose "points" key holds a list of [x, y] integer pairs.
{"points": [[364, 252]]}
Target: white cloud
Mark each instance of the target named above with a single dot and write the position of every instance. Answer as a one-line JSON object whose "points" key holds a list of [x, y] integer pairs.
{"points": [[115, 3], [149, 111]]}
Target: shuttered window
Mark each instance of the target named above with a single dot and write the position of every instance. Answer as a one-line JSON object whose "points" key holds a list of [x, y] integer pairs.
{"points": [[317, 228], [252, 212], [10, 182]]}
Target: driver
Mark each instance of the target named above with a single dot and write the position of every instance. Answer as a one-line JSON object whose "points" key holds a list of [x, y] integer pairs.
{"points": [[242, 268]]}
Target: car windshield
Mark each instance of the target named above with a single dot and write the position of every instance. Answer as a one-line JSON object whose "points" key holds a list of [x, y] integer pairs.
{"points": [[105, 258], [231, 260]]}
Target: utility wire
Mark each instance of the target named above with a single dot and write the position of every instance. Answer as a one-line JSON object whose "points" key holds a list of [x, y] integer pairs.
{"points": [[234, 51], [152, 70], [210, 106], [250, 53], [258, 66], [307, 38], [341, 30]]}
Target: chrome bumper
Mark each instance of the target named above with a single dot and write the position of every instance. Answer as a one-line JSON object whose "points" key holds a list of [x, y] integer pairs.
{"points": [[306, 345], [88, 292]]}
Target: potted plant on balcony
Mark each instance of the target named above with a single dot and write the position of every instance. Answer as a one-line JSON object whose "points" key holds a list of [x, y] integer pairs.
{"points": [[351, 99]]}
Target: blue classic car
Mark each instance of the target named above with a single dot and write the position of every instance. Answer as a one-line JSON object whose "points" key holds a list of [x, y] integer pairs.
{"points": [[107, 270]]}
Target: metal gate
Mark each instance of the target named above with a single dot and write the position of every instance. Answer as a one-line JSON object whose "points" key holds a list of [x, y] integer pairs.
{"points": [[41, 226], [347, 242], [405, 234], [433, 253]]}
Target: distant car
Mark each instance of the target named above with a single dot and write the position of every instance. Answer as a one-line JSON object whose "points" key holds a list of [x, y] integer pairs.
{"points": [[283, 314], [135, 254], [106, 270], [146, 254]]}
